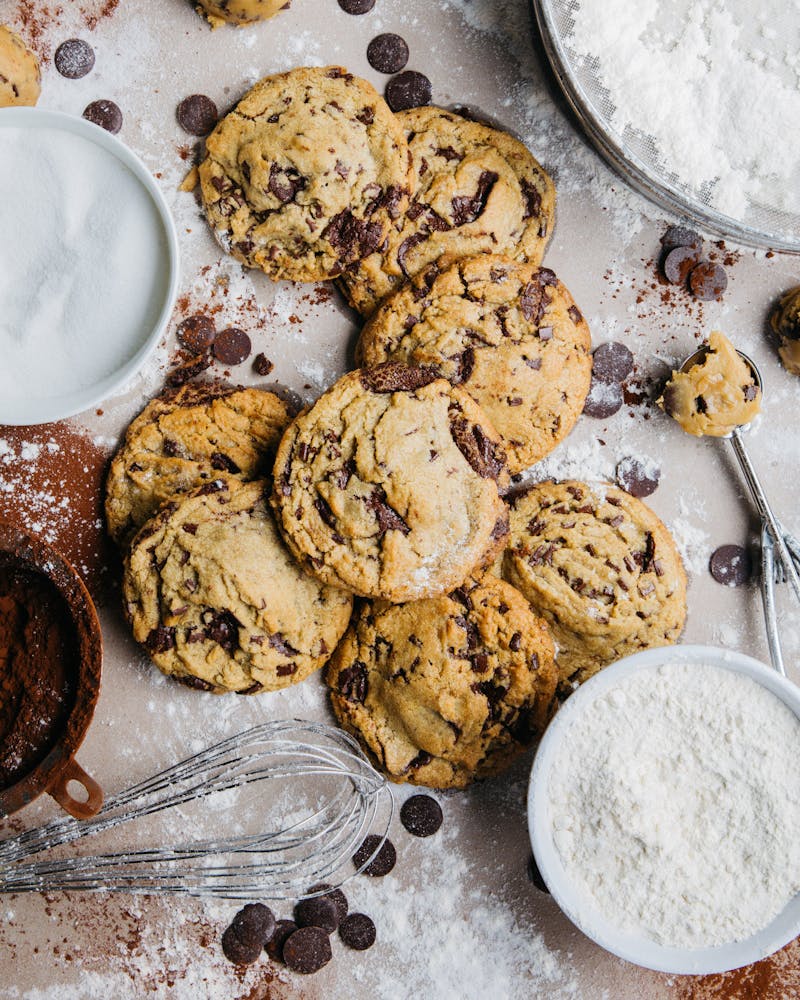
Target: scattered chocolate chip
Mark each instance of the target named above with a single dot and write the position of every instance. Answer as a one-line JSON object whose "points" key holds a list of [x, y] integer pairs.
{"points": [[308, 949], [186, 371], [232, 346], [238, 951], [254, 925], [384, 860], [357, 931], [408, 90], [356, 6], [421, 815], [387, 53], [197, 114], [612, 362], [679, 262], [708, 281], [337, 897], [730, 565], [604, 399], [535, 876], [274, 946], [104, 113], [262, 365], [196, 333], [637, 478], [680, 236], [318, 911], [74, 58]]}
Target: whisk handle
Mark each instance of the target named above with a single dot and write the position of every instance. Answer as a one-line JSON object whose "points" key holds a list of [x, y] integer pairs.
{"points": [[75, 807]]}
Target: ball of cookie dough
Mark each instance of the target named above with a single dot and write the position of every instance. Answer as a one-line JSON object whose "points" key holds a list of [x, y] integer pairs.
{"points": [[239, 11], [785, 322], [20, 79]]}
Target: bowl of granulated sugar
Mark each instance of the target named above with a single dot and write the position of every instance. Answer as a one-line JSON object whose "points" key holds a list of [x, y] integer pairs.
{"points": [[664, 809], [89, 265]]}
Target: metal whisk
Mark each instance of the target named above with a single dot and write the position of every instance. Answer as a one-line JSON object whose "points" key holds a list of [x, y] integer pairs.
{"points": [[280, 861]]}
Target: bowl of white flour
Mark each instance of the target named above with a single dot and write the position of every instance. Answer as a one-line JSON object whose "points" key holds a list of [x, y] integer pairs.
{"points": [[664, 809], [89, 265]]}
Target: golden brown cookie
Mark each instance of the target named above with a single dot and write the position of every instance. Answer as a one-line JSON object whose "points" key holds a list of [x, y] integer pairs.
{"points": [[388, 485], [187, 437], [478, 190], [306, 174], [785, 322], [219, 12], [446, 690], [509, 333], [216, 599], [20, 78], [600, 568]]}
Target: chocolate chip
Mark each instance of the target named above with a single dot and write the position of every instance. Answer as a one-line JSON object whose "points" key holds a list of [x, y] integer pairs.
{"points": [[353, 238], [612, 362], [197, 114], [680, 236], [730, 565], [285, 182], [679, 262], [336, 896], [317, 912], [408, 90], [708, 281], [535, 876], [104, 113], [387, 517], [253, 925], [183, 373], [223, 628], [237, 951], [274, 947], [486, 457], [421, 815], [384, 860], [278, 641], [308, 949], [357, 931], [387, 53], [74, 58], [232, 346], [391, 376], [356, 6], [353, 682], [637, 478], [196, 333], [604, 399], [161, 639], [262, 365], [467, 209]]}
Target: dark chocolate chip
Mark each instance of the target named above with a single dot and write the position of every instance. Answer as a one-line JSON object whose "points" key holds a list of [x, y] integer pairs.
{"points": [[387, 53], [74, 58], [730, 565], [535, 875], [161, 639], [486, 457], [196, 333], [337, 897], [223, 628], [384, 860], [679, 262], [391, 376], [232, 346], [183, 373], [357, 931], [356, 6], [317, 912], [274, 947], [387, 517], [708, 281], [285, 182], [604, 399], [680, 236], [197, 114], [636, 478], [408, 90], [612, 362], [353, 682], [468, 208], [104, 113], [353, 238], [262, 365], [222, 463], [307, 950], [237, 951], [421, 815], [254, 925]]}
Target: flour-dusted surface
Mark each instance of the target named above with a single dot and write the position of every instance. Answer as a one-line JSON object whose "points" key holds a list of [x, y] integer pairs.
{"points": [[458, 918], [675, 805]]}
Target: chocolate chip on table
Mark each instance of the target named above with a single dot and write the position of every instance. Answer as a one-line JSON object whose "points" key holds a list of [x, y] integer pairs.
{"points": [[679, 262], [254, 924], [74, 58], [604, 399], [421, 815], [307, 950], [232, 346], [197, 114], [680, 236], [262, 365], [730, 565], [708, 281], [637, 478], [335, 895], [186, 371], [356, 6], [408, 90], [384, 860], [357, 931], [387, 53], [196, 333], [104, 113], [274, 947], [612, 362], [238, 951], [318, 911], [535, 876]]}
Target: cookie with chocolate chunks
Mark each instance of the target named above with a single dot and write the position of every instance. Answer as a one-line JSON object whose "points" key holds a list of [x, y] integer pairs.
{"points": [[306, 175], [390, 484], [509, 333], [477, 190], [215, 598], [446, 690], [219, 12], [600, 568]]}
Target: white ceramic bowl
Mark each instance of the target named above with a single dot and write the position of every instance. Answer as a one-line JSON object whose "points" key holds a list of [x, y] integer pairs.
{"points": [[636, 948], [39, 409]]}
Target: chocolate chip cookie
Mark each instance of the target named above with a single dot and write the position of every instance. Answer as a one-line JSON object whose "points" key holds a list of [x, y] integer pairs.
{"points": [[219, 12], [445, 690], [388, 485], [216, 599], [509, 333], [20, 77], [306, 175], [477, 190], [600, 568], [185, 438]]}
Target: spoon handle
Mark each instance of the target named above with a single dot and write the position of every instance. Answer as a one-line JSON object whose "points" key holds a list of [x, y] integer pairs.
{"points": [[768, 597]]}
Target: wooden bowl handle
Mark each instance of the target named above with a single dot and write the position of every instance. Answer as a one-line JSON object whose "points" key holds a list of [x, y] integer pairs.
{"points": [[80, 810]]}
